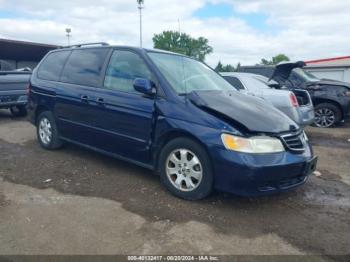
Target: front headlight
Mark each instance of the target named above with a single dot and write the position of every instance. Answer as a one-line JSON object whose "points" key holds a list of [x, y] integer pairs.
{"points": [[256, 144]]}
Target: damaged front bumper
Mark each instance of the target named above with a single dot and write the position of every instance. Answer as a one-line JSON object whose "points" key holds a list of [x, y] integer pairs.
{"points": [[261, 174]]}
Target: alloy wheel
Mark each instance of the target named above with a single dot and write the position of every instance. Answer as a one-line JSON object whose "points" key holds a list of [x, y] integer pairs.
{"points": [[45, 131], [324, 117], [184, 170]]}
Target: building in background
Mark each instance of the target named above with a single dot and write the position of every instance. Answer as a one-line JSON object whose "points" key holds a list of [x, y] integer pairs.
{"points": [[337, 68], [19, 54]]}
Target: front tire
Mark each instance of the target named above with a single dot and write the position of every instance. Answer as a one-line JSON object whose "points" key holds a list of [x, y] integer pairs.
{"points": [[47, 132], [18, 111], [185, 169], [327, 115]]}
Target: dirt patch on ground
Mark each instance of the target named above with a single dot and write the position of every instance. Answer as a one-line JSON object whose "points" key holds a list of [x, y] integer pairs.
{"points": [[326, 175], [313, 219], [3, 201], [68, 224]]}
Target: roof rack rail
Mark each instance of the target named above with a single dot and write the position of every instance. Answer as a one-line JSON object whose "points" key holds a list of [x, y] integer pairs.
{"points": [[87, 44]]}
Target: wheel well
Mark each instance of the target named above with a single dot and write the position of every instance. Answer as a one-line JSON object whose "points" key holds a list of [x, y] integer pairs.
{"points": [[39, 110], [170, 136], [322, 100]]}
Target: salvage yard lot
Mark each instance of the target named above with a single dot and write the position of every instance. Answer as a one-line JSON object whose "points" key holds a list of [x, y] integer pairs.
{"points": [[73, 201]]}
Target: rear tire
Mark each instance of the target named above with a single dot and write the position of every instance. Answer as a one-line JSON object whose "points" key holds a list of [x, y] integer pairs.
{"points": [[18, 111], [185, 169], [47, 131], [327, 115]]}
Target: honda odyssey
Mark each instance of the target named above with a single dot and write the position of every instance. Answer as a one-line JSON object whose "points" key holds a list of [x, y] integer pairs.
{"points": [[171, 114]]}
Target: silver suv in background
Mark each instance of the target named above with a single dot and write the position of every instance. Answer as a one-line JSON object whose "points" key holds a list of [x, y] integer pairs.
{"points": [[296, 104]]}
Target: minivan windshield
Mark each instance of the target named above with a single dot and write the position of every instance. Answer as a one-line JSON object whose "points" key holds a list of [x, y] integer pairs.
{"points": [[186, 75], [306, 75]]}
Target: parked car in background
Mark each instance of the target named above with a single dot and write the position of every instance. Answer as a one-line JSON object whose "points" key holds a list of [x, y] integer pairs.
{"points": [[171, 114], [300, 110], [331, 98], [13, 95]]}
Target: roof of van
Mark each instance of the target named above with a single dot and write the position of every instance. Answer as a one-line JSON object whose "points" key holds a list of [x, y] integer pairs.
{"points": [[104, 45]]}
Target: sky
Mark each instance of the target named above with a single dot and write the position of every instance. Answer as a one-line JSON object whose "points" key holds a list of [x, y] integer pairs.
{"points": [[238, 30]]}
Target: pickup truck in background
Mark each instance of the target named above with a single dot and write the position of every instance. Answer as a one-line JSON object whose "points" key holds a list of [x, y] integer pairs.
{"points": [[13, 93]]}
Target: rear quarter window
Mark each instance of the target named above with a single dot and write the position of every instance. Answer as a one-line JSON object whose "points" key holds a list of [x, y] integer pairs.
{"points": [[84, 67], [235, 82], [51, 67]]}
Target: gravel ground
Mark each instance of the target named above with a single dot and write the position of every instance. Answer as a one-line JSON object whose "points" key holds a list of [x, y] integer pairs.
{"points": [[73, 201]]}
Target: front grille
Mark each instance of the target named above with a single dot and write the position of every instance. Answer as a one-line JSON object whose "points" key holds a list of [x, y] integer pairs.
{"points": [[294, 142]]}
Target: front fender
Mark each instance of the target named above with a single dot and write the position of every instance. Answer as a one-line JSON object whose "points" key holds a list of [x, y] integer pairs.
{"points": [[170, 128]]}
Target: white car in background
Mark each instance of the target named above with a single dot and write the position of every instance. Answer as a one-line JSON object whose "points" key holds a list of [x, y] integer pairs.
{"points": [[296, 104]]}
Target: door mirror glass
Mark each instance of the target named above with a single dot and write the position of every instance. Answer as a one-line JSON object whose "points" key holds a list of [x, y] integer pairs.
{"points": [[144, 86]]}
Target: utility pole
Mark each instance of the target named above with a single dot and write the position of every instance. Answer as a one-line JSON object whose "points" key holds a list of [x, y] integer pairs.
{"points": [[140, 7], [68, 31]]}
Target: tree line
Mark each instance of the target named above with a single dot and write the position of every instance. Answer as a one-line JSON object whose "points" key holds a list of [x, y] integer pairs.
{"points": [[199, 48]]}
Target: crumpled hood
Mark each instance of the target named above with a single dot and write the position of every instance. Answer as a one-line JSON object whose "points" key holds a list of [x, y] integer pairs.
{"points": [[254, 114], [282, 71]]}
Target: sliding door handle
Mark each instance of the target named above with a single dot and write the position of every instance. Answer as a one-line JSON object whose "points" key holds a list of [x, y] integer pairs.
{"points": [[84, 98], [100, 100]]}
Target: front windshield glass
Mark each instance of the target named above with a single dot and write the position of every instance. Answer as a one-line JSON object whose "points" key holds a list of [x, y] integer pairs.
{"points": [[306, 75], [186, 75]]}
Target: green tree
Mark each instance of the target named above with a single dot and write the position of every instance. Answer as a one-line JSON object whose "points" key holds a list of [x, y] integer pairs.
{"points": [[224, 68], [265, 62], [238, 67], [275, 60], [219, 67], [182, 43], [229, 68]]}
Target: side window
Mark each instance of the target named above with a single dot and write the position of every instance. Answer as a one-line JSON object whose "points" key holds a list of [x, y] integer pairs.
{"points": [[84, 66], [51, 67], [293, 77], [122, 70], [234, 81]]}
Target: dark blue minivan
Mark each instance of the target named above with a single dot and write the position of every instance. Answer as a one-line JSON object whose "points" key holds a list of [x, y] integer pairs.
{"points": [[168, 113]]}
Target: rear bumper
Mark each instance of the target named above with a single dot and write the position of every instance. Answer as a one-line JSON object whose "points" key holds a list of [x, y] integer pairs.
{"points": [[13, 98], [302, 115], [31, 109], [307, 115], [264, 174]]}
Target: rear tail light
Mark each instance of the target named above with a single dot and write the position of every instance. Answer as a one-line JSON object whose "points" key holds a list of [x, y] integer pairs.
{"points": [[293, 100], [28, 89]]}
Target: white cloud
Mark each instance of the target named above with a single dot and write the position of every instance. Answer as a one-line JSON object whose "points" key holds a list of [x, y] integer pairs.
{"points": [[306, 29]]}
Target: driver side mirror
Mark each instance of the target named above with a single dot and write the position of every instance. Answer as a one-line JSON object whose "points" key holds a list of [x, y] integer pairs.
{"points": [[144, 86]]}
